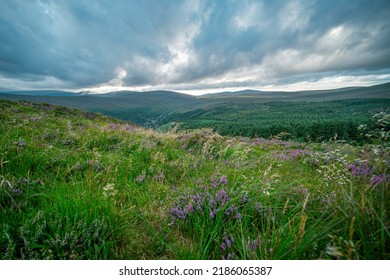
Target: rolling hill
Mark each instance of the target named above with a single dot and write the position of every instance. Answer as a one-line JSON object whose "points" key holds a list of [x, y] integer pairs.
{"points": [[312, 115]]}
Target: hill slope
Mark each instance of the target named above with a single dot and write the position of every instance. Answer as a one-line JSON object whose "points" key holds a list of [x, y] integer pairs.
{"points": [[78, 185], [247, 113]]}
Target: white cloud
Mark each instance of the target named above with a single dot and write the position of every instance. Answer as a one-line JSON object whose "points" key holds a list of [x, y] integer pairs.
{"points": [[294, 16], [250, 14], [118, 80], [333, 82]]}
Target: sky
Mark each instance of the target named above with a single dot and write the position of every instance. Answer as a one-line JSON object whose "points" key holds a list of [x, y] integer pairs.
{"points": [[194, 46]]}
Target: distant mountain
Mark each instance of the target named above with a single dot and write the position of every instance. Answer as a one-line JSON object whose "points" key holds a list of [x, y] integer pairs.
{"points": [[161, 96], [240, 92], [377, 91], [87, 99], [381, 91], [247, 93]]}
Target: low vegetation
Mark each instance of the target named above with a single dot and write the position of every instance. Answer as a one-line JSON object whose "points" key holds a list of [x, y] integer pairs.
{"points": [[79, 185]]}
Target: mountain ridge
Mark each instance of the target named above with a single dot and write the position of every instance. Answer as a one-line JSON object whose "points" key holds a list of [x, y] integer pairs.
{"points": [[53, 92]]}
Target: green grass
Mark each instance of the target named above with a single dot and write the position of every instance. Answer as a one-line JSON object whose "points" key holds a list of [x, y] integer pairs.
{"points": [[77, 185]]}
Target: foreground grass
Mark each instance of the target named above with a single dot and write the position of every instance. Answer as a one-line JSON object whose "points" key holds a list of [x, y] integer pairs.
{"points": [[77, 185]]}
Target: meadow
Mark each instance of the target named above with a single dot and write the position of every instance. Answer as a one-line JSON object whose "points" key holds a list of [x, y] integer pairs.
{"points": [[80, 185]]}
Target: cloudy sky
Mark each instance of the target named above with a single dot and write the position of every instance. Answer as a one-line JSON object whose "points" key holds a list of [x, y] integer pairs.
{"points": [[193, 46]]}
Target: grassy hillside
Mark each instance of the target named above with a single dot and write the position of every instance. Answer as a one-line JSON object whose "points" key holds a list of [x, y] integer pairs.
{"points": [[78, 185], [301, 116], [143, 108]]}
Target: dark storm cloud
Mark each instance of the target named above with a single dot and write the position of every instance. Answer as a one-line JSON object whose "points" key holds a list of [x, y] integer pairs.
{"points": [[79, 44], [286, 33], [79, 41]]}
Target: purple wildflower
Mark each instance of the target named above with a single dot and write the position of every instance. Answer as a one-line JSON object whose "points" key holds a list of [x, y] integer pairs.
{"points": [[237, 216], [295, 153], [298, 153], [21, 143], [223, 180], [129, 127], [228, 240], [230, 210], [195, 197], [252, 245], [228, 243], [190, 207], [221, 197], [284, 157], [177, 213], [376, 180], [212, 202], [359, 170], [212, 214], [16, 191], [352, 167], [114, 126], [258, 207]]}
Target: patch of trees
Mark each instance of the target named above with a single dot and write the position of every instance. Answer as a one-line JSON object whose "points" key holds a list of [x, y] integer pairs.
{"points": [[316, 121]]}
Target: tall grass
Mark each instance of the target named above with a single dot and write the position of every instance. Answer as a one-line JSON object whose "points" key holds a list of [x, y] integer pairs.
{"points": [[76, 185]]}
